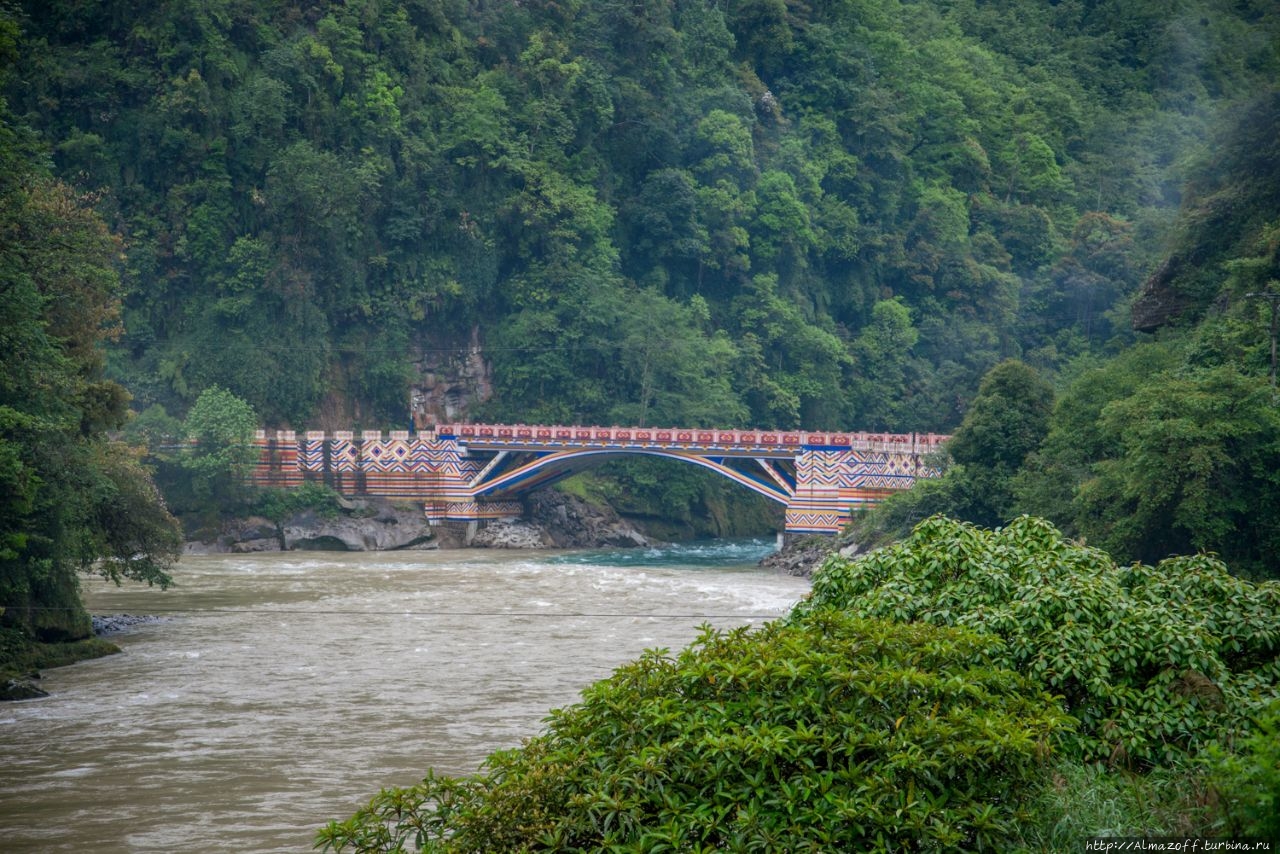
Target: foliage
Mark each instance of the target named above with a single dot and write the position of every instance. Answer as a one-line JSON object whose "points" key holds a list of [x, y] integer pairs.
{"points": [[22, 656], [1196, 469], [1153, 454], [1007, 420], [1247, 780], [70, 499], [221, 427], [1230, 203], [309, 194], [1154, 662], [1077, 800], [829, 733], [278, 505]]}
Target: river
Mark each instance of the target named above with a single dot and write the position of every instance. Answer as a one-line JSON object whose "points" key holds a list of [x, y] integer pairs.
{"points": [[280, 691]]}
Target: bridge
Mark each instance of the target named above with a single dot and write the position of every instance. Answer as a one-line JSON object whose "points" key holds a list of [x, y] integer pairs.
{"points": [[476, 472]]}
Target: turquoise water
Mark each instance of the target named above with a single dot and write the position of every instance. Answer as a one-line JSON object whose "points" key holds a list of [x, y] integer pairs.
{"points": [[698, 553]]}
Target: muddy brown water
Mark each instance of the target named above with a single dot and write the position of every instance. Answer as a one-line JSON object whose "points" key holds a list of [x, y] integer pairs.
{"points": [[283, 690]]}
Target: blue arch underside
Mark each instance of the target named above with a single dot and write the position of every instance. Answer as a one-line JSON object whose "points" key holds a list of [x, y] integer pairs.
{"points": [[551, 466]]}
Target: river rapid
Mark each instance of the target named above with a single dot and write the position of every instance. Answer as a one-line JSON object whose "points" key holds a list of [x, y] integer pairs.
{"points": [[280, 691]]}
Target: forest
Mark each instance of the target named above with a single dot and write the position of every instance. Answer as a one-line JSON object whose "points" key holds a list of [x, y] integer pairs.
{"points": [[760, 213], [1050, 228]]}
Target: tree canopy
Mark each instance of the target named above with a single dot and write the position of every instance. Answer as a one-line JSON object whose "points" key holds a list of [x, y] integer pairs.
{"points": [[71, 498], [313, 195]]}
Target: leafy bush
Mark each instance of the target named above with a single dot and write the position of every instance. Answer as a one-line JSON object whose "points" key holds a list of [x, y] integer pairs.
{"points": [[826, 734], [1076, 800], [1248, 781], [1155, 662], [279, 504]]}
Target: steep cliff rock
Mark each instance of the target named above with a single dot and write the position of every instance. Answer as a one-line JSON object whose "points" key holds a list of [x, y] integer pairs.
{"points": [[452, 378], [571, 522]]}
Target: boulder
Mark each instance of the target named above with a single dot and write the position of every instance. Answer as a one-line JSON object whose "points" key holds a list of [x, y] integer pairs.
{"points": [[378, 525], [800, 556], [20, 689], [570, 522], [510, 534]]}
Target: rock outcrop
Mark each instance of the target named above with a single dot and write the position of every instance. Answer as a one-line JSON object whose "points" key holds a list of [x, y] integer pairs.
{"points": [[556, 520], [451, 380], [800, 556], [511, 534], [572, 523], [363, 524], [553, 520]]}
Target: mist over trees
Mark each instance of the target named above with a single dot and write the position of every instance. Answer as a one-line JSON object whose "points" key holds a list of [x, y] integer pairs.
{"points": [[827, 215], [659, 212]]}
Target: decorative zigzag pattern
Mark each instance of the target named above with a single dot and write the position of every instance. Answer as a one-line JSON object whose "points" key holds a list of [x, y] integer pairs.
{"points": [[311, 455], [802, 522], [884, 481], [829, 481], [343, 455]]}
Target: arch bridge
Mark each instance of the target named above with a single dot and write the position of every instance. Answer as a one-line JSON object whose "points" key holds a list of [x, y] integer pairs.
{"points": [[477, 472]]}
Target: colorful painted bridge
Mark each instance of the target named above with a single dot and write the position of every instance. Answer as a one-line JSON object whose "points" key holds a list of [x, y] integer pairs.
{"points": [[477, 472]]}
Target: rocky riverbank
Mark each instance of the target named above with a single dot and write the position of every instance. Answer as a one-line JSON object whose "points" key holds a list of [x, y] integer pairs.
{"points": [[22, 658], [801, 556], [552, 520]]}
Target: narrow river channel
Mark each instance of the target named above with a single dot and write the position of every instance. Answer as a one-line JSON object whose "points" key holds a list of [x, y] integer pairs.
{"points": [[283, 690]]}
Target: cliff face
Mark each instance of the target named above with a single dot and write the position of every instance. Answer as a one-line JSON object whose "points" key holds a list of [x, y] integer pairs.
{"points": [[1228, 235], [452, 378], [1163, 299]]}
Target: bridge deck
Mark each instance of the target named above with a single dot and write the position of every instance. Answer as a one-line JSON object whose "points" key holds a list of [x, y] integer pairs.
{"points": [[750, 443]]}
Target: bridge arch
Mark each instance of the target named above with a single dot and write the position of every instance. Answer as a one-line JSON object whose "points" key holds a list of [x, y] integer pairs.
{"points": [[768, 479]]}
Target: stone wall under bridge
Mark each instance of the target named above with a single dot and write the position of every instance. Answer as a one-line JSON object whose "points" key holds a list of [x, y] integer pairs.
{"points": [[476, 472]]}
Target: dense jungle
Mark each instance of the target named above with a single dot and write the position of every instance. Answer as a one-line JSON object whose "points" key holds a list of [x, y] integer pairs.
{"points": [[1050, 228]]}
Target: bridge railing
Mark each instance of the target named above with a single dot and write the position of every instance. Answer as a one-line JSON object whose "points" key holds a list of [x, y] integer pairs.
{"points": [[918, 443]]}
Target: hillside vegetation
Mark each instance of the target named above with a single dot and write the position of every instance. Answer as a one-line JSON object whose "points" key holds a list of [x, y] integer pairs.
{"points": [[827, 215], [824, 214]]}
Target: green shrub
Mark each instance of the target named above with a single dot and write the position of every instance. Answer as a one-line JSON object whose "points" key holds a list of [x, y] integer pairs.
{"points": [[1248, 781], [279, 504], [1078, 800], [1155, 662], [826, 734]]}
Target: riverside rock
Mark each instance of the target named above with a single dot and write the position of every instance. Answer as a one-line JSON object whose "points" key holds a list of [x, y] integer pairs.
{"points": [[801, 556], [361, 524], [552, 520], [570, 522]]}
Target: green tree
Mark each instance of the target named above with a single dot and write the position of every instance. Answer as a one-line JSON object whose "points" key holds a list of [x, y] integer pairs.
{"points": [[1007, 421], [221, 427], [883, 367], [1155, 662], [70, 500], [1195, 469]]}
